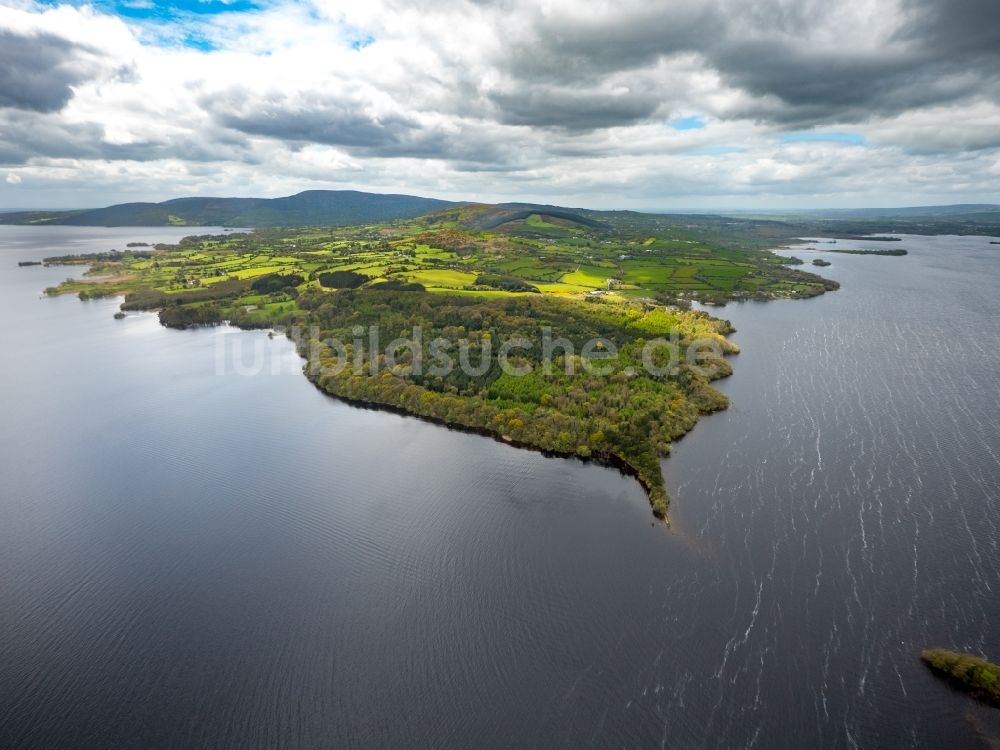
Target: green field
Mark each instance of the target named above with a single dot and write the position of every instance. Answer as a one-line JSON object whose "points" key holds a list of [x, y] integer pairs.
{"points": [[442, 278]]}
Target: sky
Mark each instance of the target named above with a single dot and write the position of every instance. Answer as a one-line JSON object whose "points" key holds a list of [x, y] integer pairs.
{"points": [[708, 104]]}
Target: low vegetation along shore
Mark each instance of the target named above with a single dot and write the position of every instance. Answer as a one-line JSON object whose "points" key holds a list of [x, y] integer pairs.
{"points": [[973, 674], [550, 331]]}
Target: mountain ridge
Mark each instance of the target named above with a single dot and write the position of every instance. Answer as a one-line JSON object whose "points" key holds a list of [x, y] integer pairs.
{"points": [[319, 207]]}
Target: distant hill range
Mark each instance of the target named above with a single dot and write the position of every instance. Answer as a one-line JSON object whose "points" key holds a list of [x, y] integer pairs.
{"points": [[312, 207], [346, 207]]}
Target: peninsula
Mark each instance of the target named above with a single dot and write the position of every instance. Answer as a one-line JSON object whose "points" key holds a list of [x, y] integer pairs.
{"points": [[549, 328]]}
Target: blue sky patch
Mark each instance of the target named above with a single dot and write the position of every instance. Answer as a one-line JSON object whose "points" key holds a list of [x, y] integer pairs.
{"points": [[852, 139], [152, 10], [170, 24], [687, 123], [200, 43]]}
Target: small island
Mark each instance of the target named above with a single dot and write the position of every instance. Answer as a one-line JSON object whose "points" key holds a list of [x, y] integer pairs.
{"points": [[24, 263], [870, 237], [862, 251], [820, 262], [973, 674]]}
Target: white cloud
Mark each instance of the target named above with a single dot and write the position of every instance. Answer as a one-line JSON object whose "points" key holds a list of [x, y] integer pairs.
{"points": [[13, 179], [560, 102]]}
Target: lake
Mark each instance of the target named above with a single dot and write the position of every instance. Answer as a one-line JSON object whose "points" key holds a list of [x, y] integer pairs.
{"points": [[190, 558]]}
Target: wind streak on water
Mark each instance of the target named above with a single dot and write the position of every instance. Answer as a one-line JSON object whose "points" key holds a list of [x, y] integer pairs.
{"points": [[188, 559], [857, 504]]}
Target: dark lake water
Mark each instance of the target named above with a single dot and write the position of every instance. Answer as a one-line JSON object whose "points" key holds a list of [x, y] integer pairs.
{"points": [[192, 559]]}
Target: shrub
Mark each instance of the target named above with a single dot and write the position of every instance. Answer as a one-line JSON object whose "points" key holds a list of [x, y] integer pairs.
{"points": [[275, 282], [342, 279]]}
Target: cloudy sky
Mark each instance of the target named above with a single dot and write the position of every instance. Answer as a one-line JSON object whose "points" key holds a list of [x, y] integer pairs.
{"points": [[640, 104]]}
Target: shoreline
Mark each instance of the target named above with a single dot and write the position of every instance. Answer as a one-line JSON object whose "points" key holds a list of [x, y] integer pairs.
{"points": [[614, 423], [655, 495], [604, 459]]}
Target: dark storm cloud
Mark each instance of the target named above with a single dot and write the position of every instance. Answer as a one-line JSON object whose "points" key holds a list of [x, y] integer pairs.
{"points": [[38, 71], [24, 136], [578, 48], [940, 52], [573, 110], [328, 121], [809, 88], [968, 28], [346, 123], [27, 135]]}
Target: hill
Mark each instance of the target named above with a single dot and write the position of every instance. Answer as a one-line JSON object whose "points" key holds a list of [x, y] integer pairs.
{"points": [[522, 219], [312, 207]]}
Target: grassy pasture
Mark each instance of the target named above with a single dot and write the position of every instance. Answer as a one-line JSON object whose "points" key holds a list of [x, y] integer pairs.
{"points": [[443, 278]]}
